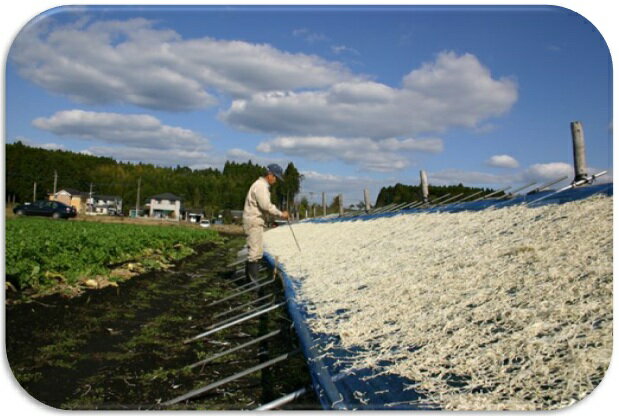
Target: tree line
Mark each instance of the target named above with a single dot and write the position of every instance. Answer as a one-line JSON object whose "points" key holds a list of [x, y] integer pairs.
{"points": [[400, 193], [210, 189]]}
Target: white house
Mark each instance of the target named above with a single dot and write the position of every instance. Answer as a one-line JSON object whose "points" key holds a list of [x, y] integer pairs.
{"points": [[105, 204], [166, 205]]}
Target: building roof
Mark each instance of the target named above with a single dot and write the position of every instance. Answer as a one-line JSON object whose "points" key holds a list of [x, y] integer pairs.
{"points": [[166, 195], [73, 192], [107, 197]]}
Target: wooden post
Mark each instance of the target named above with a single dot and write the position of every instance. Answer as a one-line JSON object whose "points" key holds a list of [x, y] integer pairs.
{"points": [[34, 193], [137, 198], [91, 207], [340, 200], [580, 160], [424, 185], [324, 205], [366, 199], [55, 183]]}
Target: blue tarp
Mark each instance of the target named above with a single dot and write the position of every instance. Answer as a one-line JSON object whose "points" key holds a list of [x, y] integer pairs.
{"points": [[339, 388]]}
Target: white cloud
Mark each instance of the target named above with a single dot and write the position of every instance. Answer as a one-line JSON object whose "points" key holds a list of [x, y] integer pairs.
{"points": [[241, 155], [452, 91], [309, 36], [351, 187], [376, 155], [139, 130], [539, 173], [32, 143], [133, 61], [160, 157], [502, 161], [545, 172], [339, 49], [469, 178]]}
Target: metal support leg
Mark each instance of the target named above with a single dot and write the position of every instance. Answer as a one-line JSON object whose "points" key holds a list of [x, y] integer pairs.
{"points": [[240, 293], [252, 283], [240, 315], [237, 308], [284, 399], [231, 350], [238, 321], [226, 380], [237, 262]]}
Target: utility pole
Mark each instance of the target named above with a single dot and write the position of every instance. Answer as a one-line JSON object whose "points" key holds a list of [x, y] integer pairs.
{"points": [[34, 193], [137, 198], [91, 202], [55, 183], [324, 205]]}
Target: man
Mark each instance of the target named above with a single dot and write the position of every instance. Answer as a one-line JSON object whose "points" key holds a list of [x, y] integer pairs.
{"points": [[257, 203]]}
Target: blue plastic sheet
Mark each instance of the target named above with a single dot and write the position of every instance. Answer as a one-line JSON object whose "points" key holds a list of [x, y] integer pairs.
{"points": [[339, 388], [544, 198]]}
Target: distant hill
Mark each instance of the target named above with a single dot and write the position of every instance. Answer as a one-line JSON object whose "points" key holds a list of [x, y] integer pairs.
{"points": [[209, 189], [408, 193]]}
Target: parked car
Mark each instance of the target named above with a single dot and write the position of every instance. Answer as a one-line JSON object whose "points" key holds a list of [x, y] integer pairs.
{"points": [[52, 209], [205, 223]]}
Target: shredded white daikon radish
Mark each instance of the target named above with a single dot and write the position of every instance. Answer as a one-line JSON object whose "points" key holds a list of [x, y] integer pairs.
{"points": [[508, 308]]}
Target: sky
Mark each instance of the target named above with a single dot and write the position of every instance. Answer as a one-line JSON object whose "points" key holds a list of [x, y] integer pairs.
{"points": [[356, 97], [558, 61]]}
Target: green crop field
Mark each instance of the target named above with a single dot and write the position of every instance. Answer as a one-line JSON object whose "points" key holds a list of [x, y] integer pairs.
{"points": [[41, 252]]}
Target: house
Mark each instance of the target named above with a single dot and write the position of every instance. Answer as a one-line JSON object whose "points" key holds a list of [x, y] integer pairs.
{"points": [[72, 197], [166, 205], [237, 215], [194, 215], [105, 205]]}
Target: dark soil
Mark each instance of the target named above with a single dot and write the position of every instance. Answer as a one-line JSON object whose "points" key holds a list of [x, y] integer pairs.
{"points": [[122, 348]]}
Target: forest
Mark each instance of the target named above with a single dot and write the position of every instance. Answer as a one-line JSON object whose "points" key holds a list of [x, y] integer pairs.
{"points": [[409, 193], [210, 189]]}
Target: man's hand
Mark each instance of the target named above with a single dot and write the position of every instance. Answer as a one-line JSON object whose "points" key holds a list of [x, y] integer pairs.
{"points": [[285, 215]]}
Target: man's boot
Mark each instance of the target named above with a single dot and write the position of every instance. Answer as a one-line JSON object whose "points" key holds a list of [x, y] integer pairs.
{"points": [[252, 270]]}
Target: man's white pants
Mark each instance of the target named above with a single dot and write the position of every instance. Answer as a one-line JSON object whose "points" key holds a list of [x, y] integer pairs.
{"points": [[254, 241]]}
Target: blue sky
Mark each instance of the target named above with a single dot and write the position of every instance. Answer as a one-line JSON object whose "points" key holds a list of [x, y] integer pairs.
{"points": [[355, 96]]}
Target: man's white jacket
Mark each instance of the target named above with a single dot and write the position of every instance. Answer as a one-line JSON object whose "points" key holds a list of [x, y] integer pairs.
{"points": [[258, 202]]}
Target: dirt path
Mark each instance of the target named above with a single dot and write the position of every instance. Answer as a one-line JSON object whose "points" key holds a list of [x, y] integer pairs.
{"points": [[122, 348]]}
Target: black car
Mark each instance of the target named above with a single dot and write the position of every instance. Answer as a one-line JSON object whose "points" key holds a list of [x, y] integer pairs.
{"points": [[52, 209]]}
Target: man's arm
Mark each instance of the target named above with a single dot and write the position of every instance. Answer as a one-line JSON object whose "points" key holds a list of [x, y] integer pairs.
{"points": [[263, 197]]}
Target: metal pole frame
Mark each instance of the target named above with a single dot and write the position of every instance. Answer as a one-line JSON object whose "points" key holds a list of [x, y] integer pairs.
{"points": [[238, 321], [397, 207], [237, 294], [233, 377], [515, 191], [284, 399], [492, 193], [435, 202], [547, 185], [246, 285], [234, 349], [237, 262], [459, 201], [240, 315], [236, 308], [573, 185], [449, 199]]}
